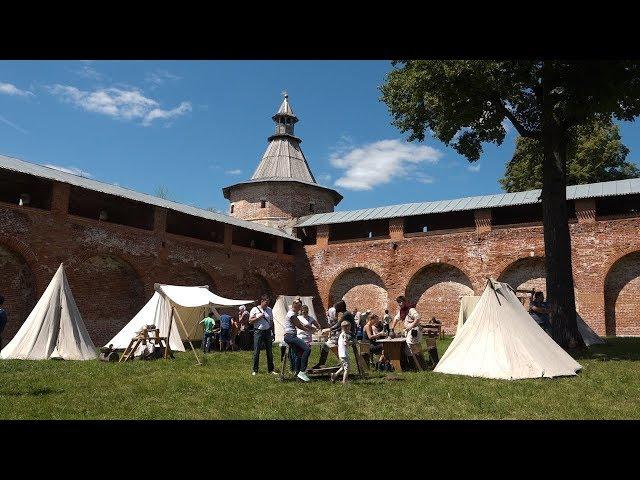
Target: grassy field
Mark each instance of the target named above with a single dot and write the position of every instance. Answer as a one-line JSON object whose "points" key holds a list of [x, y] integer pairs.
{"points": [[223, 388]]}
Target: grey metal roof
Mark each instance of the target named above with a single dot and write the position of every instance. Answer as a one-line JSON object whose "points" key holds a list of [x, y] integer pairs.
{"points": [[283, 158], [41, 171], [285, 108], [574, 192]]}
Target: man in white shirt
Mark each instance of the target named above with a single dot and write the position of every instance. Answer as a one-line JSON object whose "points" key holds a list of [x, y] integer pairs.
{"points": [[261, 317]]}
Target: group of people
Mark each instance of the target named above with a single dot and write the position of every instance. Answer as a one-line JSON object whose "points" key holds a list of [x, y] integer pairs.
{"points": [[230, 332], [343, 329]]}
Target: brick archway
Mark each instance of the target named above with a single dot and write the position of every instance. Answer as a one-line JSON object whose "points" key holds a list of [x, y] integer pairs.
{"points": [[436, 289], [622, 296], [18, 286], [108, 290], [192, 277], [360, 287], [525, 273]]}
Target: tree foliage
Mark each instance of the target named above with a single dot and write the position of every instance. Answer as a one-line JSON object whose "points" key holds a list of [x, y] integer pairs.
{"points": [[464, 102], [595, 153]]}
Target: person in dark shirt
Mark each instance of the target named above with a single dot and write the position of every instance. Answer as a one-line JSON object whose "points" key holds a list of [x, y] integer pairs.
{"points": [[539, 311], [225, 331], [3, 318]]}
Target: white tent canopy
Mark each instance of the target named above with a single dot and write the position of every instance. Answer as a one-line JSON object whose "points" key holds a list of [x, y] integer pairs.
{"points": [[467, 304], [281, 308], [53, 329], [501, 340], [192, 305]]}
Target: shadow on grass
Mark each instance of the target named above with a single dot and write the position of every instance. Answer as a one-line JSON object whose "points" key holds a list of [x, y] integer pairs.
{"points": [[36, 392], [616, 349]]}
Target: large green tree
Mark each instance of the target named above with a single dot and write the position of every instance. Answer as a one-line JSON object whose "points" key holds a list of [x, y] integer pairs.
{"points": [[595, 153], [463, 103]]}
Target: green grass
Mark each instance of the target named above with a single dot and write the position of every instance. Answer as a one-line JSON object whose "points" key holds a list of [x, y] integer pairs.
{"points": [[223, 388]]}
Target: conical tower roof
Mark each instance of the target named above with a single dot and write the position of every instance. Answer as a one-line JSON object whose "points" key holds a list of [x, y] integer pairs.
{"points": [[283, 159]]}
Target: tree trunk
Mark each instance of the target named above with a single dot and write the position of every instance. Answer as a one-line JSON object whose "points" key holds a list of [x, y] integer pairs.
{"points": [[557, 239]]}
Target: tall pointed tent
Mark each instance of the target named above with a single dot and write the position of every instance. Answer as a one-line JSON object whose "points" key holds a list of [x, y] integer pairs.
{"points": [[468, 303], [501, 340], [53, 329], [281, 308], [191, 304]]}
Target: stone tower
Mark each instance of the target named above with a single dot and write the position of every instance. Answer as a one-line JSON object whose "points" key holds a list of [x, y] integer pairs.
{"points": [[282, 188]]}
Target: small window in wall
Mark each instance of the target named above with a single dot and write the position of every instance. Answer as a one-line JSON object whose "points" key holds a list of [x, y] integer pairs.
{"points": [[231, 209], [263, 203], [312, 207]]}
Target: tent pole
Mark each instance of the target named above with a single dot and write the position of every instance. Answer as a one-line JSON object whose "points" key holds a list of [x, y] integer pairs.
{"points": [[175, 312], [166, 350]]}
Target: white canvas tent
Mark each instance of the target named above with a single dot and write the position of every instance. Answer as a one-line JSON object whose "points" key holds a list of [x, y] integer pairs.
{"points": [[281, 308], [468, 303], [53, 329], [588, 335], [501, 340], [191, 304]]}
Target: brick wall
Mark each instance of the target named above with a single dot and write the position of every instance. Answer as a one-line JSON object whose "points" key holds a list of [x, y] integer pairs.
{"points": [[435, 269], [284, 201], [112, 268]]}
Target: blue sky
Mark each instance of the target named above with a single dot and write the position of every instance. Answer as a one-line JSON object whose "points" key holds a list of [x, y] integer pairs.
{"points": [[196, 126]]}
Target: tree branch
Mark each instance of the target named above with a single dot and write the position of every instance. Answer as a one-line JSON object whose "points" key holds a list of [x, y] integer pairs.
{"points": [[524, 132]]}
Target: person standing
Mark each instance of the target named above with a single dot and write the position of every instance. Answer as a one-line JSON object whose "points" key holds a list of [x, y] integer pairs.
{"points": [[386, 321], [261, 317], [207, 336], [291, 323], [343, 352], [225, 331], [408, 314], [341, 313], [243, 324]]}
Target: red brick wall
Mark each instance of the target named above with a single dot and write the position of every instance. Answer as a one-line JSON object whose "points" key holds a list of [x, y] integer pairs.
{"points": [[436, 290], [361, 289], [108, 293], [112, 268], [464, 261], [622, 296]]}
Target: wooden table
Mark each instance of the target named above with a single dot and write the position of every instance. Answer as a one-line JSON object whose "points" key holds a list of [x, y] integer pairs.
{"points": [[393, 350]]}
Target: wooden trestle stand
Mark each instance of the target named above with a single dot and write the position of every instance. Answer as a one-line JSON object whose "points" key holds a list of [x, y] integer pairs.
{"points": [[159, 341]]}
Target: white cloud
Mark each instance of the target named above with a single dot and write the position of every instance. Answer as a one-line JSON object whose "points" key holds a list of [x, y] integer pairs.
{"points": [[474, 167], [13, 125], [72, 170], [236, 171], [157, 113], [87, 71], [325, 178], [11, 89], [379, 162], [118, 103], [159, 77]]}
